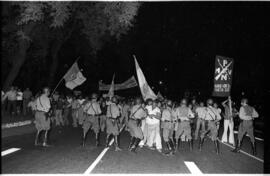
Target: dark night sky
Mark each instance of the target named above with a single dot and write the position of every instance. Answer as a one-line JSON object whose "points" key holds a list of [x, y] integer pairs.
{"points": [[185, 37]]}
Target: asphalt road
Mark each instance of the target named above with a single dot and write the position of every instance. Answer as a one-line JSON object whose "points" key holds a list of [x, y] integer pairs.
{"points": [[67, 156]]}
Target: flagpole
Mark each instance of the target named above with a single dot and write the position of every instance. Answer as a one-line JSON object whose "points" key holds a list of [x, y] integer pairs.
{"points": [[64, 76]]}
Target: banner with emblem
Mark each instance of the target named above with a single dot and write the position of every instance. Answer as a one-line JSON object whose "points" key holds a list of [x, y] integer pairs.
{"points": [[130, 83], [223, 76], [146, 91], [74, 77]]}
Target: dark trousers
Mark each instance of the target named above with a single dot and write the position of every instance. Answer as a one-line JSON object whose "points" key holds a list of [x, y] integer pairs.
{"points": [[11, 105], [25, 108]]}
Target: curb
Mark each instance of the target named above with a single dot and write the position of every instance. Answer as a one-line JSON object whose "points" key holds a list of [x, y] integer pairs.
{"points": [[16, 124]]}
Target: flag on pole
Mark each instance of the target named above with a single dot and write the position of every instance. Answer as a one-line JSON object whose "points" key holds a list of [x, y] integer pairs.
{"points": [[111, 91], [131, 82], [223, 76], [146, 91], [74, 77]]}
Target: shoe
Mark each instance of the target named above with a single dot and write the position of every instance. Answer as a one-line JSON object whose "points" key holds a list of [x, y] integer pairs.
{"points": [[159, 150]]}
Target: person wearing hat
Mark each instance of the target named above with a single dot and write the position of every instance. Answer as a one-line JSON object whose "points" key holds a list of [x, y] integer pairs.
{"points": [[184, 114], [92, 109], [42, 122], [247, 114], [212, 116], [167, 119], [200, 111], [134, 124], [112, 125]]}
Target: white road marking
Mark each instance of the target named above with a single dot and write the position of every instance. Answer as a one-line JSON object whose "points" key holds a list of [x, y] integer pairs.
{"points": [[93, 165], [193, 167], [259, 139], [244, 152], [8, 151]]}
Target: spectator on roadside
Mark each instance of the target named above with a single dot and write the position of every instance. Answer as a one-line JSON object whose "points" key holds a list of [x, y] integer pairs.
{"points": [[11, 96], [27, 94], [19, 101], [32, 105]]}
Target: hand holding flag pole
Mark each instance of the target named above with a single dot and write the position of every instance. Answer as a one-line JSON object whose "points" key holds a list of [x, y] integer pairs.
{"points": [[63, 77]]}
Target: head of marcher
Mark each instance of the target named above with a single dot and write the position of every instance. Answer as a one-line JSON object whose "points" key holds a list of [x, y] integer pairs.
{"points": [[183, 103], [155, 104], [201, 104], [244, 101], [94, 97], [215, 105], [46, 91], [169, 104], [149, 102], [209, 102], [138, 101], [114, 100]]}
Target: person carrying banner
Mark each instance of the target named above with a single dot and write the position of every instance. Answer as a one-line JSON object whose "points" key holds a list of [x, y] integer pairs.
{"points": [[112, 123], [134, 124], [184, 114], [167, 120], [92, 109], [42, 120], [247, 114], [212, 116]]}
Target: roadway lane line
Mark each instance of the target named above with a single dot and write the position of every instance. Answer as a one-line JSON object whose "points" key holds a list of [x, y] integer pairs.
{"points": [[193, 167], [243, 152], [8, 151], [259, 139], [93, 165]]}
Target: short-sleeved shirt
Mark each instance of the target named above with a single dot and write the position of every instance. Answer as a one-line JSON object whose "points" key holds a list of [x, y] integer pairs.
{"points": [[43, 103], [247, 113], [201, 111], [92, 108], [19, 96], [166, 114], [75, 104], [184, 113], [212, 113], [137, 112], [32, 105], [11, 95], [155, 111], [113, 110]]}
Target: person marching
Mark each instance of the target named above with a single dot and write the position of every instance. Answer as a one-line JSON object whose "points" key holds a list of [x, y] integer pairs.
{"points": [[42, 122], [184, 114], [247, 114], [167, 120], [228, 123], [200, 111], [112, 124], [212, 116], [134, 124], [75, 105], [92, 109], [103, 117]]}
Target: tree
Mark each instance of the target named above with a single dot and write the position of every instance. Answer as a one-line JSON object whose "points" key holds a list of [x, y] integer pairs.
{"points": [[98, 21]]}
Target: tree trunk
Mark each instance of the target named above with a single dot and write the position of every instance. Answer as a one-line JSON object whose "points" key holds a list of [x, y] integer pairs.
{"points": [[17, 64], [54, 52]]}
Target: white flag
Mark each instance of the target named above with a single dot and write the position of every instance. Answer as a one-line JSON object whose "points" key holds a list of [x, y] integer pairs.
{"points": [[74, 77], [111, 91], [146, 91]]}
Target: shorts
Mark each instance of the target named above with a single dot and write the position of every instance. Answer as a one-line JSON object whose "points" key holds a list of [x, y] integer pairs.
{"points": [[92, 122], [40, 121], [183, 129], [112, 127], [134, 129]]}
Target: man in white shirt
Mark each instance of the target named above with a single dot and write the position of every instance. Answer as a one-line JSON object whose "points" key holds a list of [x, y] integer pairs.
{"points": [[247, 114], [211, 118], [92, 109], [43, 106], [11, 96], [153, 126]]}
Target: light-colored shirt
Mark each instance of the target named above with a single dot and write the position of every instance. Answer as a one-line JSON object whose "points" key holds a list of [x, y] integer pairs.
{"points": [[247, 113], [113, 111], [184, 113], [75, 104], [201, 111], [92, 108], [19, 96], [43, 103], [212, 113], [151, 111], [32, 105], [11, 95], [137, 112], [166, 114]]}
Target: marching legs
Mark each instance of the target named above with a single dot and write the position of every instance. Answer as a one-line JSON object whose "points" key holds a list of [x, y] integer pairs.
{"points": [[37, 138], [237, 146], [216, 146], [132, 141], [117, 148]]}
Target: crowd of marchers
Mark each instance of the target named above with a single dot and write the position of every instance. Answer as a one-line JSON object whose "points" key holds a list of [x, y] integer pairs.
{"points": [[149, 122]]}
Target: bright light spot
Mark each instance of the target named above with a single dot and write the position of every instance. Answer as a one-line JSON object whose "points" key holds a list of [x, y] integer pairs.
{"points": [[160, 82]]}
